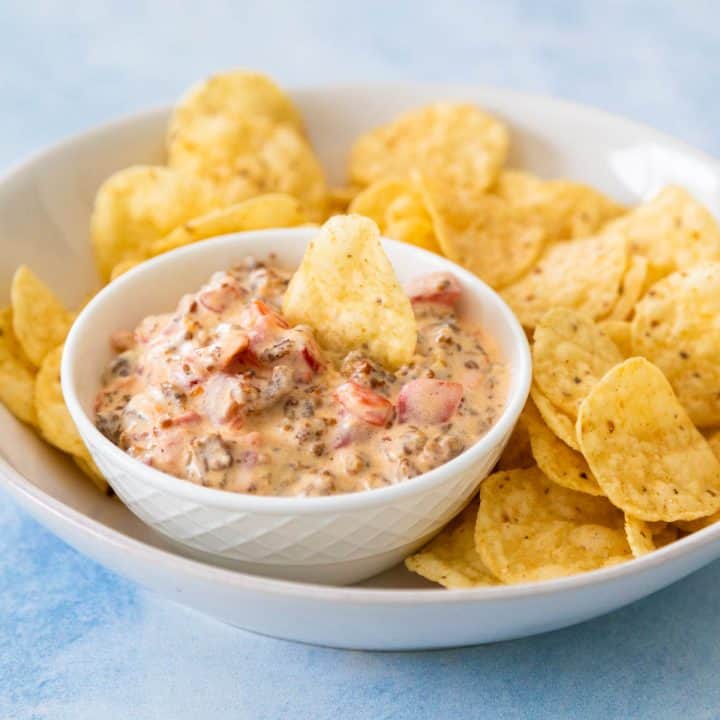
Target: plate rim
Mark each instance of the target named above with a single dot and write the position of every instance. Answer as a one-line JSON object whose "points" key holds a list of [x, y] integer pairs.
{"points": [[30, 496]]}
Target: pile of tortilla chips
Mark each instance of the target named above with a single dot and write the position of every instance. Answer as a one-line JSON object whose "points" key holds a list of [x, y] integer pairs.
{"points": [[616, 453]]}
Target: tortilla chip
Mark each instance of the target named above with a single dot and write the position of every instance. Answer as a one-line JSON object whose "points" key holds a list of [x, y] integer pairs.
{"points": [[17, 375], [40, 322], [570, 354], [451, 559], [399, 210], [559, 422], [54, 420], [264, 211], [139, 205], [457, 145], [242, 158], [673, 231], [646, 454], [483, 234], [582, 275], [531, 529], [677, 327], [567, 209], [347, 291], [558, 461]]}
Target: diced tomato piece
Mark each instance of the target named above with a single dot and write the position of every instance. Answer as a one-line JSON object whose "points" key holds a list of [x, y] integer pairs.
{"points": [[425, 401], [274, 318], [186, 418], [439, 287], [311, 355], [223, 398], [233, 350], [216, 299], [265, 325], [364, 403]]}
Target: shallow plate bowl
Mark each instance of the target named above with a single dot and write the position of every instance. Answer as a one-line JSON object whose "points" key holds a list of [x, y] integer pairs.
{"points": [[44, 210]]}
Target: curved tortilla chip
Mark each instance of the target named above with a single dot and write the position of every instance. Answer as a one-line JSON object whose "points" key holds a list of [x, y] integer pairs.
{"points": [[677, 327], [559, 461], [139, 205], [530, 529], [347, 291], [482, 233], [40, 321], [644, 450], [458, 145], [235, 93], [450, 558], [17, 375], [242, 157], [570, 354], [54, 420], [264, 211], [583, 275], [566, 209]]}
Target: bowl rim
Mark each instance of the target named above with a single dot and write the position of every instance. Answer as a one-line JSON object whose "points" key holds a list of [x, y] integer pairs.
{"points": [[44, 504], [519, 386]]}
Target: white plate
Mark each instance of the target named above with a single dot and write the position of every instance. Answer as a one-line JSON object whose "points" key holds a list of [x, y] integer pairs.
{"points": [[44, 211]]}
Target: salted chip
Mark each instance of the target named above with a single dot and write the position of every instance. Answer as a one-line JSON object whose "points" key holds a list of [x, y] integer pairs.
{"points": [[677, 327], [673, 231], [517, 452], [530, 528], [713, 439], [122, 267], [570, 354], [242, 157], [566, 209], [265, 211], [644, 450], [558, 461], [620, 332], [347, 291], [559, 422], [399, 210], [631, 289], [17, 375], [483, 234], [139, 205], [583, 275], [644, 537], [54, 420], [40, 321], [451, 558], [236, 93], [458, 145], [88, 466]]}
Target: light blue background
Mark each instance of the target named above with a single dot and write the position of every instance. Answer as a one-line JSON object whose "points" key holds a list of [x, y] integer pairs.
{"points": [[78, 642]]}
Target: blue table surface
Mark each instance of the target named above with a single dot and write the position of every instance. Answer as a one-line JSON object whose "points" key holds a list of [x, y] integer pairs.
{"points": [[79, 642]]}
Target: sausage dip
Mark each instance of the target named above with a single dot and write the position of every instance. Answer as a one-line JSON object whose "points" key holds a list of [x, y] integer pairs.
{"points": [[224, 393]]}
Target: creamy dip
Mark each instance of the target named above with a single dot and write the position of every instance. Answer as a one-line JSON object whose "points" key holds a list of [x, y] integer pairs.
{"points": [[224, 393]]}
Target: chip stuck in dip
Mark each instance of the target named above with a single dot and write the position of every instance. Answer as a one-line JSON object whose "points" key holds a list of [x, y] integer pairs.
{"points": [[227, 393]]}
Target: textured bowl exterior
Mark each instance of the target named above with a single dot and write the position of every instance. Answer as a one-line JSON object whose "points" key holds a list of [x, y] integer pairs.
{"points": [[332, 547], [337, 539]]}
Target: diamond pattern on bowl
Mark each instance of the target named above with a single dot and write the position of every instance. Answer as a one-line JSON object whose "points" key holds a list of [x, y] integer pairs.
{"points": [[305, 539]]}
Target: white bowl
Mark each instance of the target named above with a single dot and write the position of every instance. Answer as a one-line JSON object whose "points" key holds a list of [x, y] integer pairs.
{"points": [[337, 539], [45, 207]]}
